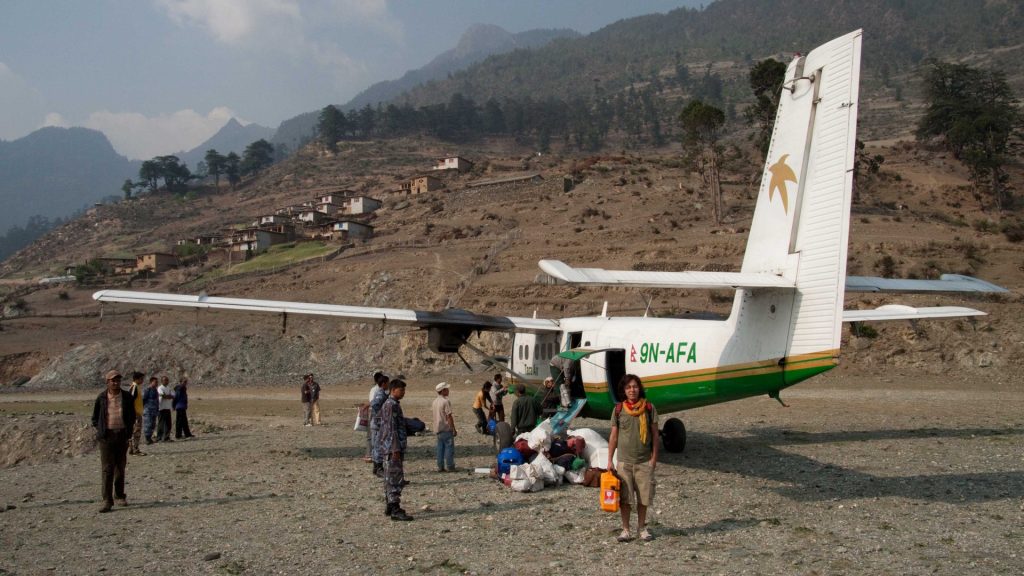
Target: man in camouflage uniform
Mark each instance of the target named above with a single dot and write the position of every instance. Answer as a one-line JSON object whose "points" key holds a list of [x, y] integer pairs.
{"points": [[391, 444], [377, 399]]}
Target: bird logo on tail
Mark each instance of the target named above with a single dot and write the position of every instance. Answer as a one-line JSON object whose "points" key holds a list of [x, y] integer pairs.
{"points": [[780, 174]]}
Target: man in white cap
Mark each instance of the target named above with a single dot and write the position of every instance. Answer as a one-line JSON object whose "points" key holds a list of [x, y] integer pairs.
{"points": [[444, 426]]}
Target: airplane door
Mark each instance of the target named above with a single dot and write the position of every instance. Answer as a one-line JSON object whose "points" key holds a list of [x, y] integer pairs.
{"points": [[576, 386], [574, 340], [615, 369]]}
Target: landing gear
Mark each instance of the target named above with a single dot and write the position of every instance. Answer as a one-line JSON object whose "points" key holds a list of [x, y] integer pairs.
{"points": [[673, 435]]}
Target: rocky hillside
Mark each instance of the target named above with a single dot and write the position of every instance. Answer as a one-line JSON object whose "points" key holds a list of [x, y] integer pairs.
{"points": [[477, 248]]}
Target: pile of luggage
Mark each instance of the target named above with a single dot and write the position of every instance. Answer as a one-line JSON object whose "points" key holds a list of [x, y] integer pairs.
{"points": [[539, 459]]}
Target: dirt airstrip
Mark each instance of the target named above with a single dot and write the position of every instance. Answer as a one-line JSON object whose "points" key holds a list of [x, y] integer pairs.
{"points": [[880, 475]]}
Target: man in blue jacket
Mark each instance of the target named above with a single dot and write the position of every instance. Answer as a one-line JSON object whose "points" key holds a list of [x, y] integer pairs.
{"points": [[181, 429]]}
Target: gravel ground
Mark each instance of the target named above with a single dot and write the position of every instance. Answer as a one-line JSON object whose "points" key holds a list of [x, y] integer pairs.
{"points": [[858, 476]]}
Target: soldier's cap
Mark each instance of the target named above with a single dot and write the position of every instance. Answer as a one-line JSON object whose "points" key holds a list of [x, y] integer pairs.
{"points": [[442, 386], [113, 374]]}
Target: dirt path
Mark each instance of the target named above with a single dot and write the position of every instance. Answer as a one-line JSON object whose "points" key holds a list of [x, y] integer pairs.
{"points": [[859, 476]]}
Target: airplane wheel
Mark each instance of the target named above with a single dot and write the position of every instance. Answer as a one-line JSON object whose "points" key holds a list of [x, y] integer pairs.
{"points": [[673, 435]]}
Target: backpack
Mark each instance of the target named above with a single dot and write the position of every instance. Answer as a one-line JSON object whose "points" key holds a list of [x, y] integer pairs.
{"points": [[414, 426]]}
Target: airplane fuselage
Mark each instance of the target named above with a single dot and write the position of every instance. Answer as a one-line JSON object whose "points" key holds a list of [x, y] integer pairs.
{"points": [[682, 363]]}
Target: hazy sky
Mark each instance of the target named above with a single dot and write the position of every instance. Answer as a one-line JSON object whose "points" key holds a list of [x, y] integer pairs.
{"points": [[161, 76]]}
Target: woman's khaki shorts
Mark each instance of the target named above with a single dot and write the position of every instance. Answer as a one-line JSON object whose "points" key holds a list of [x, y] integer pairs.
{"points": [[637, 482]]}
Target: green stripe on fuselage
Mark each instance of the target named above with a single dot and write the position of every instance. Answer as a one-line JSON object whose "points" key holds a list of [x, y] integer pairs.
{"points": [[718, 387]]}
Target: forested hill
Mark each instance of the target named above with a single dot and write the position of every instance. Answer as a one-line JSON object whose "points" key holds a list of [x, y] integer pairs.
{"points": [[54, 172], [476, 44], [898, 34]]}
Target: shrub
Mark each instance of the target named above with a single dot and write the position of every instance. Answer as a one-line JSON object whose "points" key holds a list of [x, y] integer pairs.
{"points": [[886, 266], [864, 331], [986, 226], [1014, 232]]}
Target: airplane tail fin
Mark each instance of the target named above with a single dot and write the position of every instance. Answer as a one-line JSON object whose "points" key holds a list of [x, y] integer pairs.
{"points": [[801, 221]]}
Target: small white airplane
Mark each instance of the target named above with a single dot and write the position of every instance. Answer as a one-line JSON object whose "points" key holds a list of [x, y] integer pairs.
{"points": [[787, 312]]}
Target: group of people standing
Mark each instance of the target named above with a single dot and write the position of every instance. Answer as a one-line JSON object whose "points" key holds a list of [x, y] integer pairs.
{"points": [[123, 415], [158, 400]]}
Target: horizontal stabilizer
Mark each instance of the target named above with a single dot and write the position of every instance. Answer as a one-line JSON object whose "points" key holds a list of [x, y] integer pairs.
{"points": [[945, 283], [564, 273], [450, 318], [900, 312]]}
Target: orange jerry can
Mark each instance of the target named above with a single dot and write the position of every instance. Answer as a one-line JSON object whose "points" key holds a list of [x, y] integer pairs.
{"points": [[609, 492]]}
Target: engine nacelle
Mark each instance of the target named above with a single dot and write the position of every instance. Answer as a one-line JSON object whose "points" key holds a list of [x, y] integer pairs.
{"points": [[446, 339]]}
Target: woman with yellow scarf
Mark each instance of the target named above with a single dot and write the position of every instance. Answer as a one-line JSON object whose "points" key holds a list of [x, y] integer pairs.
{"points": [[635, 435]]}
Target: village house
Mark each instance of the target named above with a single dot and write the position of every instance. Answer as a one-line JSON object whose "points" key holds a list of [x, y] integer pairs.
{"points": [[421, 184], [362, 205], [255, 240], [335, 197], [155, 262], [351, 230], [208, 240], [273, 220], [330, 208], [117, 264], [311, 216], [317, 231], [291, 210], [288, 229], [454, 163]]}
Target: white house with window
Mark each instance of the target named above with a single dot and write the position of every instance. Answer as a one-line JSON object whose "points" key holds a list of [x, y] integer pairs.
{"points": [[454, 163], [363, 205]]}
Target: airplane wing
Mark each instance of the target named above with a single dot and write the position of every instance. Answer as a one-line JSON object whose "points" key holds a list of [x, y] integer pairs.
{"points": [[945, 283], [900, 312], [450, 319], [564, 273]]}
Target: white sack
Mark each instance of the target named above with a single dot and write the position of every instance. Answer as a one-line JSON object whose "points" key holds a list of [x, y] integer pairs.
{"points": [[594, 442], [525, 478], [599, 459], [575, 476], [559, 474], [540, 437], [545, 470]]}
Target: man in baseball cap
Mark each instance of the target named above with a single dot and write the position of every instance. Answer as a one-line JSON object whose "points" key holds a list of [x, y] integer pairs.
{"points": [[113, 417], [444, 428]]}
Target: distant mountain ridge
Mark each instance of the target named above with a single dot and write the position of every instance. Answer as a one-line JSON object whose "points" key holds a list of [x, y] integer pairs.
{"points": [[898, 34], [476, 44], [54, 172], [232, 137]]}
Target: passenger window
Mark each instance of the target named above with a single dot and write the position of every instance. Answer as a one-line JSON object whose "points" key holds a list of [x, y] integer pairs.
{"points": [[527, 352]]}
